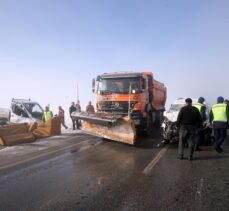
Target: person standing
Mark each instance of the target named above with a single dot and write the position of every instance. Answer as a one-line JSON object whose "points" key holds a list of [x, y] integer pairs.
{"points": [[188, 121], [47, 114], [78, 109], [90, 108], [71, 110], [61, 115], [226, 101], [202, 109], [219, 117]]}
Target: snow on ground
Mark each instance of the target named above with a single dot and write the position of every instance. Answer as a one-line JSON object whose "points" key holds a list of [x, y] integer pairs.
{"points": [[4, 113], [39, 144]]}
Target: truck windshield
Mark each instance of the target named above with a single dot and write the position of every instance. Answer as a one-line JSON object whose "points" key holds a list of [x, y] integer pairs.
{"points": [[34, 109], [119, 85], [176, 107]]}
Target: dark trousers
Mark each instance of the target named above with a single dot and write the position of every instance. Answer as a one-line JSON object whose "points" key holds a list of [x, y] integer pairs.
{"points": [[78, 123], [73, 124], [220, 135], [63, 122], [187, 135], [199, 138]]}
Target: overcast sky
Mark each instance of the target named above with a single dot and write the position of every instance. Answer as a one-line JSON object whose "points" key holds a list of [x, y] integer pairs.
{"points": [[47, 47]]}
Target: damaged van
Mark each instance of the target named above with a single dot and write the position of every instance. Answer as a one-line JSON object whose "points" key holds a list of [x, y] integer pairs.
{"points": [[170, 130], [25, 110]]}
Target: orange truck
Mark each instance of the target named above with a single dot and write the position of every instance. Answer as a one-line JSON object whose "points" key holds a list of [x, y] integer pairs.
{"points": [[126, 102]]}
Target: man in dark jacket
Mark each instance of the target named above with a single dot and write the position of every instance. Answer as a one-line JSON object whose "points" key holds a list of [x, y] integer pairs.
{"points": [[188, 120], [78, 109], [90, 108], [72, 109], [219, 117]]}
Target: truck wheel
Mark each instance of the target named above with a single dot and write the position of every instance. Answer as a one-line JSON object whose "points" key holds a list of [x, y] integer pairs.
{"points": [[149, 126], [158, 120]]}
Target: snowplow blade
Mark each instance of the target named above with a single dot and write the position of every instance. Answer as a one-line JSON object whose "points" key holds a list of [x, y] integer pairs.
{"points": [[113, 127]]}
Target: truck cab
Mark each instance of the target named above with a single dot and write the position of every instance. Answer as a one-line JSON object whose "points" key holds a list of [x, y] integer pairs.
{"points": [[23, 110]]}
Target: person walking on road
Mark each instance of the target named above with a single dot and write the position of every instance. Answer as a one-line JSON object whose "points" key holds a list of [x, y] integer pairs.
{"points": [[202, 109], [188, 121], [226, 101], [61, 115], [219, 117], [47, 114], [90, 108], [71, 110], [78, 109]]}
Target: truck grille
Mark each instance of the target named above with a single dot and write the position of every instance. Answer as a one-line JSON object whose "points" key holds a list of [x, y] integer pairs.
{"points": [[115, 106]]}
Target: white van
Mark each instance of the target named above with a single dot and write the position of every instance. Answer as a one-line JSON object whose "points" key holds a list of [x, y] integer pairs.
{"points": [[25, 111], [170, 131]]}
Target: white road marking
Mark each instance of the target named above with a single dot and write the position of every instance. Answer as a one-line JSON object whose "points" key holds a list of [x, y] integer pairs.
{"points": [[199, 194], [150, 166], [200, 188]]}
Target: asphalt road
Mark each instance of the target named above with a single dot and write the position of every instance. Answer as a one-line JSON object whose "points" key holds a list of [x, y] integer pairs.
{"points": [[82, 172]]}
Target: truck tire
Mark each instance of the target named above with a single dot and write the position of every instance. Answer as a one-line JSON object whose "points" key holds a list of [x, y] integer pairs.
{"points": [[149, 126], [158, 120]]}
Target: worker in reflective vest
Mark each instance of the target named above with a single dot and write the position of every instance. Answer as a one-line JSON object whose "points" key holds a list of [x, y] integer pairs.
{"points": [[47, 114], [202, 109], [219, 117]]}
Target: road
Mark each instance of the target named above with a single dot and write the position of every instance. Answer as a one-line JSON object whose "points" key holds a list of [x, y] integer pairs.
{"points": [[81, 172]]}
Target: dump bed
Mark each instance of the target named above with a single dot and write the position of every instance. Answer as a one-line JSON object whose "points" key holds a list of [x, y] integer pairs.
{"points": [[159, 95]]}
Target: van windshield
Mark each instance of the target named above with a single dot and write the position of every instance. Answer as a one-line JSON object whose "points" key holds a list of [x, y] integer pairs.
{"points": [[34, 109]]}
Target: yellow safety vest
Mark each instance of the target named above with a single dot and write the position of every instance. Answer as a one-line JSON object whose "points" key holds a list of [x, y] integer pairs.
{"points": [[47, 115], [219, 111], [198, 106]]}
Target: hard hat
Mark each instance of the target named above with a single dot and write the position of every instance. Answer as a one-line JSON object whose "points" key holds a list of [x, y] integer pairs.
{"points": [[220, 99], [201, 100]]}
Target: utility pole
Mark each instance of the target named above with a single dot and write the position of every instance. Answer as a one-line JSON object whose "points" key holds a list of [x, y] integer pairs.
{"points": [[77, 90]]}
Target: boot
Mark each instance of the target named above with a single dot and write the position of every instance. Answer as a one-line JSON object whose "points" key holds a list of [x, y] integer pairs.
{"points": [[190, 158], [198, 149], [180, 157]]}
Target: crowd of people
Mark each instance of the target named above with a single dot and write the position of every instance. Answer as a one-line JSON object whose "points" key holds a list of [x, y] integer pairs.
{"points": [[190, 120], [75, 107]]}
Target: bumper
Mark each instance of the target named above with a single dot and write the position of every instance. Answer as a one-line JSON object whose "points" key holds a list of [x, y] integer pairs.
{"points": [[170, 131]]}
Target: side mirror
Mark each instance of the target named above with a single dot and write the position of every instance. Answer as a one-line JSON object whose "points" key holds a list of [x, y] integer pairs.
{"points": [[93, 85]]}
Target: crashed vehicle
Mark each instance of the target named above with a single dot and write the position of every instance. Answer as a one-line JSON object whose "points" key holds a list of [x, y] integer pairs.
{"points": [[23, 110], [170, 130]]}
